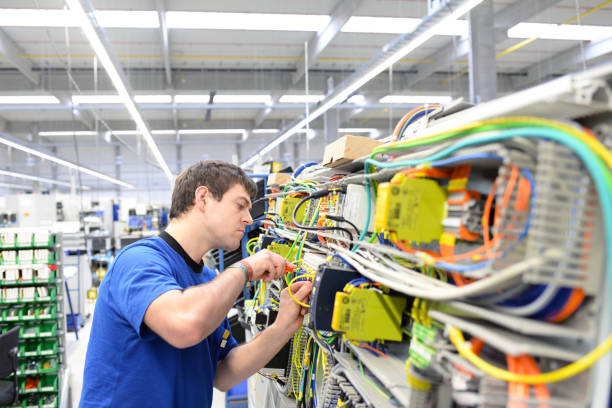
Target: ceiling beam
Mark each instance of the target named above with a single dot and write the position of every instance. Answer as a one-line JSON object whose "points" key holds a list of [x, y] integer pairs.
{"points": [[503, 20], [163, 30], [569, 59], [342, 12], [12, 55]]}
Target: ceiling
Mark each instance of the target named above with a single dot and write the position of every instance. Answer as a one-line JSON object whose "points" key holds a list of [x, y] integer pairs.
{"points": [[51, 56]]}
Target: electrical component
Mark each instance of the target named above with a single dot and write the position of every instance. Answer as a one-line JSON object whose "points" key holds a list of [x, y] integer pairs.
{"points": [[368, 315], [287, 207], [327, 282], [354, 208], [416, 210]]}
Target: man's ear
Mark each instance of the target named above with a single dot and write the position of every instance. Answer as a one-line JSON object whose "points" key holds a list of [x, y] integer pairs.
{"points": [[201, 196]]}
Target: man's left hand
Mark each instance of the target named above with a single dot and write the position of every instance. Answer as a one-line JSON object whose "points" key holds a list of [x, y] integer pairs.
{"points": [[291, 314]]}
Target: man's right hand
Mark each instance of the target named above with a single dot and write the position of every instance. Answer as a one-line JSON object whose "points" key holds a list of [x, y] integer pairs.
{"points": [[267, 265]]}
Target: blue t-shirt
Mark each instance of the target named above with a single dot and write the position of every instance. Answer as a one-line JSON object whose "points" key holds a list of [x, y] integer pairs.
{"points": [[127, 364]]}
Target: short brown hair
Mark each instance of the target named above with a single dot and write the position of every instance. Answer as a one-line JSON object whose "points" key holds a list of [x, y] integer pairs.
{"points": [[217, 175]]}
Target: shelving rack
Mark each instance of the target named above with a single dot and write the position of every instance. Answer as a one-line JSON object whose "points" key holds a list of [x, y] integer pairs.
{"points": [[31, 297]]}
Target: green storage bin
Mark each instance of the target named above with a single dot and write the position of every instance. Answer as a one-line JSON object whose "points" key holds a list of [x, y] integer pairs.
{"points": [[47, 347], [29, 349], [49, 401], [48, 366], [28, 367], [52, 293], [46, 312], [28, 332], [47, 330], [27, 294], [26, 384], [50, 279], [30, 402], [8, 240], [48, 383], [27, 313], [11, 314]]}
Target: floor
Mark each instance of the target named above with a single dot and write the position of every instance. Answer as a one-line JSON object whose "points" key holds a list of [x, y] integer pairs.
{"points": [[75, 353]]}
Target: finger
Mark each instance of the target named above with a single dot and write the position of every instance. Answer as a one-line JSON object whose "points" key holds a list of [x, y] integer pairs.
{"points": [[303, 291], [290, 265]]}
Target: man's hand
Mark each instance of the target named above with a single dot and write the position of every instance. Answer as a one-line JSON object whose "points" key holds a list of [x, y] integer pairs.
{"points": [[267, 265], [291, 314]]}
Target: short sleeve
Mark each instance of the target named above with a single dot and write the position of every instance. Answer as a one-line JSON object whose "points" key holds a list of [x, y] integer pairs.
{"points": [[226, 344], [141, 275]]}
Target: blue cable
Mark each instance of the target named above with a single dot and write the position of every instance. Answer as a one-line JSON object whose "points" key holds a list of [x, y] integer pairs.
{"points": [[301, 169]]}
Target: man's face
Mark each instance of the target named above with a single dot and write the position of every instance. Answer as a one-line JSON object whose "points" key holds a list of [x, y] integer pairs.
{"points": [[227, 218]]}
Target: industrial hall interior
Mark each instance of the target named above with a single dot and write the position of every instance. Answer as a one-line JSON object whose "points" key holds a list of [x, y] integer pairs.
{"points": [[306, 204]]}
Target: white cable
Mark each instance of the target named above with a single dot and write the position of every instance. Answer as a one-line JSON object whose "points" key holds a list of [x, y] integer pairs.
{"points": [[486, 285], [535, 306]]}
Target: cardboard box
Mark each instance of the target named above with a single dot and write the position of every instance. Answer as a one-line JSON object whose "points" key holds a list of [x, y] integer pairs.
{"points": [[347, 149], [278, 179]]}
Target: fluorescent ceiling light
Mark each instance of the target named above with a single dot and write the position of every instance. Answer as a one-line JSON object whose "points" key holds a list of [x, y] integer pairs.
{"points": [[164, 132], [16, 186], [560, 31], [415, 99], [63, 162], [116, 77], [191, 98], [357, 130], [243, 99], [246, 21], [67, 18], [37, 18], [127, 18], [357, 100], [265, 131], [301, 98], [69, 133], [125, 132], [375, 67], [394, 25], [39, 179], [95, 99], [28, 99], [211, 131], [153, 98]]}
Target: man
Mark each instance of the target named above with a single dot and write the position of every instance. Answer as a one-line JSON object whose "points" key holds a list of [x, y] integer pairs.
{"points": [[160, 337]]}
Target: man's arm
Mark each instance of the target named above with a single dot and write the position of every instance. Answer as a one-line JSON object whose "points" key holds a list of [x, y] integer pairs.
{"points": [[244, 361], [185, 318]]}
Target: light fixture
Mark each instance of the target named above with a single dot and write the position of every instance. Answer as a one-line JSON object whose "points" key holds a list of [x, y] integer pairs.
{"points": [[267, 99], [394, 25], [289, 98], [211, 131], [391, 54], [86, 24], [127, 18], [246, 21], [37, 18], [415, 99], [16, 186], [67, 18], [28, 99], [191, 98], [66, 163], [560, 31], [164, 132], [357, 100], [39, 179], [69, 133], [357, 130], [95, 99], [264, 131], [125, 132], [153, 98]]}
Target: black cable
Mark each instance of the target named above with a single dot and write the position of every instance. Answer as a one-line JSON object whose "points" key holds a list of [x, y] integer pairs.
{"points": [[342, 219], [318, 194]]}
